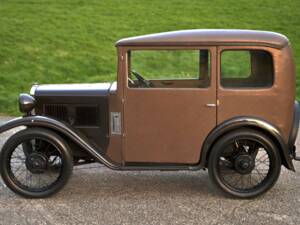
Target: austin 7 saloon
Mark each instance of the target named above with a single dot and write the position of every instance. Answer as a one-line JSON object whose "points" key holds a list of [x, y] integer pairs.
{"points": [[222, 100]]}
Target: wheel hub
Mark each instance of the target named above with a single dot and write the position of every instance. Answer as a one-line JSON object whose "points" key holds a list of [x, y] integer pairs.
{"points": [[36, 162], [244, 164]]}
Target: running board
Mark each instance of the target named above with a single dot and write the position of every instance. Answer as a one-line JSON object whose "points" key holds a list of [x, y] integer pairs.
{"points": [[160, 167]]}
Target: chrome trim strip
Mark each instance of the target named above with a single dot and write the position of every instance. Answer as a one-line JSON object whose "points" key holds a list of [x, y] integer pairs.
{"points": [[33, 89]]}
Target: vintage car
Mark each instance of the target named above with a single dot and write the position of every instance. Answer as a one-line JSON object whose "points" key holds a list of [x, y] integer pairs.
{"points": [[222, 100]]}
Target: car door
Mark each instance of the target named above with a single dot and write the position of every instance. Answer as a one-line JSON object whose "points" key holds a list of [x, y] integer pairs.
{"points": [[169, 122]]}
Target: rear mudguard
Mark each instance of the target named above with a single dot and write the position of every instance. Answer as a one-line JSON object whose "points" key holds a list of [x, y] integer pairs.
{"points": [[250, 122], [65, 129]]}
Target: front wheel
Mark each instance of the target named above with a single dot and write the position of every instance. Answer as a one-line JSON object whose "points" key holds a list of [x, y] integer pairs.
{"points": [[244, 163], [35, 163]]}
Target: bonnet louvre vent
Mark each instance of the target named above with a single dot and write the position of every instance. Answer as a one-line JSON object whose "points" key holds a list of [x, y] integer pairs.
{"points": [[78, 115], [57, 111]]}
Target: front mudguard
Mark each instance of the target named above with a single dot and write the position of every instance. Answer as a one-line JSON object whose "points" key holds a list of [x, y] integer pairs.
{"points": [[60, 128]]}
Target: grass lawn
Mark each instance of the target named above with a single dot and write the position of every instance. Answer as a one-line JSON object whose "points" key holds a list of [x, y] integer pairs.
{"points": [[64, 41]]}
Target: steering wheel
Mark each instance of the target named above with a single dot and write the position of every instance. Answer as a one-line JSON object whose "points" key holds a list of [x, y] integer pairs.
{"points": [[142, 80]]}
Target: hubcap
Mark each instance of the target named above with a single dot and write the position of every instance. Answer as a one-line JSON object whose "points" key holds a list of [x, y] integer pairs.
{"points": [[36, 162], [244, 164]]}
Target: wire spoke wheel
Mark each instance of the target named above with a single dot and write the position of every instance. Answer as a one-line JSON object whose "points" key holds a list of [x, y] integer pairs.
{"points": [[35, 162], [244, 163]]}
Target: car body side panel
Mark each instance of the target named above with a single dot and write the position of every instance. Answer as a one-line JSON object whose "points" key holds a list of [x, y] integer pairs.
{"points": [[114, 150], [115, 147], [274, 104]]}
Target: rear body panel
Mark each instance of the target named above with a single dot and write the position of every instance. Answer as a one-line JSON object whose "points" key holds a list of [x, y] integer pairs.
{"points": [[274, 104]]}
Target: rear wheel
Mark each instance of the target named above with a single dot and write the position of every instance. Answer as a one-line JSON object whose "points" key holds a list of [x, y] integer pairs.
{"points": [[35, 163], [244, 163]]}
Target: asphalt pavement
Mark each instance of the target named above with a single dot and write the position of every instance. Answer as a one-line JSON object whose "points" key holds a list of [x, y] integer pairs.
{"points": [[97, 195]]}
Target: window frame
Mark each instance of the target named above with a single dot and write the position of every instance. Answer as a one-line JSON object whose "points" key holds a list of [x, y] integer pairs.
{"points": [[169, 48], [245, 48]]}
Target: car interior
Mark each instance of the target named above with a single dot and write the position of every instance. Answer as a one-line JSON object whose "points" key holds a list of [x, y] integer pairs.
{"points": [[180, 69]]}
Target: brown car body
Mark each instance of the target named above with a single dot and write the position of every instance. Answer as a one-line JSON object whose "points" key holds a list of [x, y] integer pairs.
{"points": [[171, 128], [152, 136]]}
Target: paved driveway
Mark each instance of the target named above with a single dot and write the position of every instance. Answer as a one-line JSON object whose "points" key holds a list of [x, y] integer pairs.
{"points": [[97, 195]]}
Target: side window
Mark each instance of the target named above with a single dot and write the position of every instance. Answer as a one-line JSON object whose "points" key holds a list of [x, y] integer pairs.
{"points": [[169, 68], [246, 68]]}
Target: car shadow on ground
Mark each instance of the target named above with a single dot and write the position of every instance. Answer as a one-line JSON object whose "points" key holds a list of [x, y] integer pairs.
{"points": [[101, 182], [105, 182]]}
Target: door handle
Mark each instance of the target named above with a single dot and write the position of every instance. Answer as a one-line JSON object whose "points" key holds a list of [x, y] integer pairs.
{"points": [[211, 105], [167, 82]]}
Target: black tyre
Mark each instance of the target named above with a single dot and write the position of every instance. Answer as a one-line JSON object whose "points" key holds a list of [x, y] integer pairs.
{"points": [[244, 163], [35, 163]]}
